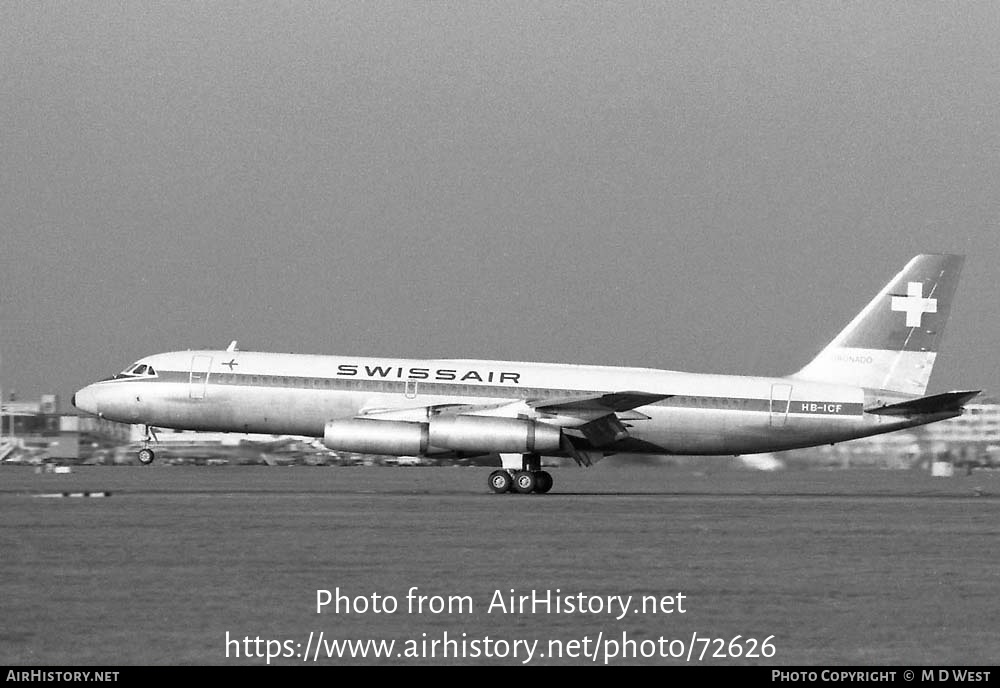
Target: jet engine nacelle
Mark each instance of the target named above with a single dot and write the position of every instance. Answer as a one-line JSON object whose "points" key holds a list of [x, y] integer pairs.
{"points": [[466, 434], [493, 435], [369, 436]]}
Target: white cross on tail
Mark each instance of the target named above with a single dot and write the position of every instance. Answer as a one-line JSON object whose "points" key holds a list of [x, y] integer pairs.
{"points": [[914, 304]]}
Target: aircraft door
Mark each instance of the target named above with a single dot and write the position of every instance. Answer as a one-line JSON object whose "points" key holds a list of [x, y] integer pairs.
{"points": [[781, 400], [410, 391], [200, 367]]}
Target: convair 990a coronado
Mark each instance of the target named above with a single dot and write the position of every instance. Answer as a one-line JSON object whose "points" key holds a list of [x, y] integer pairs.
{"points": [[870, 379]]}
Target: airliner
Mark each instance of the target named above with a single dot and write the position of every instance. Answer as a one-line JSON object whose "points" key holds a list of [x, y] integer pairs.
{"points": [[870, 379]]}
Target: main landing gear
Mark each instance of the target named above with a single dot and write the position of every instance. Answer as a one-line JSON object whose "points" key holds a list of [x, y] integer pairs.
{"points": [[146, 454], [525, 480]]}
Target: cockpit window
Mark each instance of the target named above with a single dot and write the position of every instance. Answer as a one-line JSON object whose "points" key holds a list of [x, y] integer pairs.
{"points": [[138, 370]]}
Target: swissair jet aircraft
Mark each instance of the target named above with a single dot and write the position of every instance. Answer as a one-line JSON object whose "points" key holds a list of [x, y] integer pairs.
{"points": [[870, 379]]}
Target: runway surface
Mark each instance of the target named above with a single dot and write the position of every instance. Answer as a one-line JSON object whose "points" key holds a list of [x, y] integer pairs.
{"points": [[192, 565]]}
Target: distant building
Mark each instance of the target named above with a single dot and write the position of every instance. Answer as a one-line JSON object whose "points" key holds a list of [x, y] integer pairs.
{"points": [[973, 437], [49, 404], [980, 425], [36, 428]]}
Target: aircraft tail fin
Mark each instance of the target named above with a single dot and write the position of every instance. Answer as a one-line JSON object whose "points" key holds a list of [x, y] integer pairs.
{"points": [[892, 344]]}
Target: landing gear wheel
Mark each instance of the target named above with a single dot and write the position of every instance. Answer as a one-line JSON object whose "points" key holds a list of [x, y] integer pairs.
{"points": [[500, 481], [146, 456], [543, 482], [524, 482]]}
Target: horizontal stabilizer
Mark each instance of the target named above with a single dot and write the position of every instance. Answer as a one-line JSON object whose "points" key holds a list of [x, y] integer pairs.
{"points": [[936, 403], [614, 401]]}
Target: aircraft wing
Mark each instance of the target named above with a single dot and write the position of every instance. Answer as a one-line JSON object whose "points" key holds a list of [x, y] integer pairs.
{"points": [[420, 414], [599, 417], [611, 402], [584, 405], [936, 403]]}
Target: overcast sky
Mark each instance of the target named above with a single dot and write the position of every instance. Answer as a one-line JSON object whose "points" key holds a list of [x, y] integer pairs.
{"points": [[714, 187]]}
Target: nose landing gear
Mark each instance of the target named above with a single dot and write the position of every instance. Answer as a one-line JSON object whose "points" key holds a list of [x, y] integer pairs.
{"points": [[146, 454]]}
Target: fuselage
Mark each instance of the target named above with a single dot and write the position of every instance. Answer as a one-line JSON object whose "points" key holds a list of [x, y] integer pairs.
{"points": [[295, 394]]}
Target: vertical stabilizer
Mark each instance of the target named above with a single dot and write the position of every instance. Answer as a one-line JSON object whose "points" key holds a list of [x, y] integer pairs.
{"points": [[892, 343]]}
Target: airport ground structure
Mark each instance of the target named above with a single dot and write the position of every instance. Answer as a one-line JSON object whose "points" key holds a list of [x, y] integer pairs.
{"points": [[969, 441], [38, 432]]}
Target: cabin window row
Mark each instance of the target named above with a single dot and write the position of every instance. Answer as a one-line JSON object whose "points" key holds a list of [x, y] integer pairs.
{"points": [[391, 386]]}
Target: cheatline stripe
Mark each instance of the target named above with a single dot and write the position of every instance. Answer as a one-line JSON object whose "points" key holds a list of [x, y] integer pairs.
{"points": [[481, 390]]}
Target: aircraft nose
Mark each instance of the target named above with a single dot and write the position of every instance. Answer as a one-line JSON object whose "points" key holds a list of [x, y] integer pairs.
{"points": [[86, 400]]}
